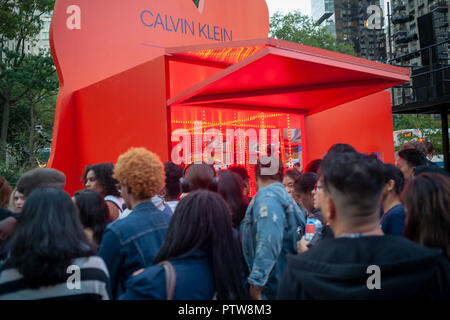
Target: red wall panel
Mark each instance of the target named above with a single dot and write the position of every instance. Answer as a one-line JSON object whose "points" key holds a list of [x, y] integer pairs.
{"points": [[366, 124], [127, 110]]}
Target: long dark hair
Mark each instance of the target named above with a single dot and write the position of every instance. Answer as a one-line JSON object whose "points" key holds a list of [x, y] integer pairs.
{"points": [[47, 238], [173, 174], [103, 173], [230, 188], [94, 212], [202, 221], [427, 201]]}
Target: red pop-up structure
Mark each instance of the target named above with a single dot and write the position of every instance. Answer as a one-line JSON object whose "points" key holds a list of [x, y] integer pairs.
{"points": [[206, 84]]}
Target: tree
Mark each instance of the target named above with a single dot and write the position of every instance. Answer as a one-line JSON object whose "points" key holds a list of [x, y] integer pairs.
{"points": [[296, 27], [40, 103], [20, 73], [35, 107], [429, 129]]}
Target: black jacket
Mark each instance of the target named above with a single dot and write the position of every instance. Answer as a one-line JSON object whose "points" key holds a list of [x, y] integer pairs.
{"points": [[6, 227], [338, 269], [6, 214]]}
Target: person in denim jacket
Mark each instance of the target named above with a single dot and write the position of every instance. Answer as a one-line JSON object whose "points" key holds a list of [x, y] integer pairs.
{"points": [[201, 246], [270, 230], [132, 243]]}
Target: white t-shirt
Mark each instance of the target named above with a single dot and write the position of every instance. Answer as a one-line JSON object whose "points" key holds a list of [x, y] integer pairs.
{"points": [[172, 205], [118, 201]]}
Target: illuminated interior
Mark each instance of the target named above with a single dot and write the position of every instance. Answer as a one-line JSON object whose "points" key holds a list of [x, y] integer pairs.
{"points": [[225, 56], [249, 87], [244, 133]]}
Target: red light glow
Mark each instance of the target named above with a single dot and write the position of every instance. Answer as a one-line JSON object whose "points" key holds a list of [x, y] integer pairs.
{"points": [[246, 124], [227, 56]]}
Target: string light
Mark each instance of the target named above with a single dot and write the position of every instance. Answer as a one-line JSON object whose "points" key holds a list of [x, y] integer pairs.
{"points": [[186, 154], [210, 118], [203, 134], [264, 137], [282, 149], [216, 124], [235, 144], [289, 140], [228, 55], [221, 131]]}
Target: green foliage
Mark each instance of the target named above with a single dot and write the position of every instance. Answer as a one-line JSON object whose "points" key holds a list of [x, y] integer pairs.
{"points": [[196, 2], [33, 73], [296, 27], [11, 171], [429, 128], [34, 88], [20, 19], [28, 85]]}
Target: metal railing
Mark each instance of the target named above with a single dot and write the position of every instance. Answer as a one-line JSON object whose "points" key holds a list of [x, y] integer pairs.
{"points": [[428, 82]]}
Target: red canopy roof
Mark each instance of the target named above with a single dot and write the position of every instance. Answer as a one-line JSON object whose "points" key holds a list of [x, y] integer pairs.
{"points": [[276, 74]]}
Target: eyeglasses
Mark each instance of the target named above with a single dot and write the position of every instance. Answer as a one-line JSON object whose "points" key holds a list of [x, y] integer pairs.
{"points": [[318, 186]]}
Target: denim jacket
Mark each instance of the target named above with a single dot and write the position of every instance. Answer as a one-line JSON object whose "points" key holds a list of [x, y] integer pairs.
{"points": [[194, 280], [132, 243], [272, 226]]}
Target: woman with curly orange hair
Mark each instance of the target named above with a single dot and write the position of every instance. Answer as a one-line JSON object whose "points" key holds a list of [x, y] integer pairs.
{"points": [[132, 243]]}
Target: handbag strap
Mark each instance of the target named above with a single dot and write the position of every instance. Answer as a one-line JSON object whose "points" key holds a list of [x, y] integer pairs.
{"points": [[171, 278]]}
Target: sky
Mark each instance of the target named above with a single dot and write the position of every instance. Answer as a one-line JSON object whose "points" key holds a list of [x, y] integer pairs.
{"points": [[290, 5]]}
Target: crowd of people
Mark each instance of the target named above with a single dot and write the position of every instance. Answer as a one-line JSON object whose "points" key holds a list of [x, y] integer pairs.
{"points": [[141, 229]]}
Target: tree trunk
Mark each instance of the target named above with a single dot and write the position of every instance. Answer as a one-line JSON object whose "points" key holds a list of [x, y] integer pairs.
{"points": [[4, 131], [31, 136]]}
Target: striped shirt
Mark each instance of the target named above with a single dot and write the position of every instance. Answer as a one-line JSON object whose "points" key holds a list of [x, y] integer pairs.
{"points": [[87, 279]]}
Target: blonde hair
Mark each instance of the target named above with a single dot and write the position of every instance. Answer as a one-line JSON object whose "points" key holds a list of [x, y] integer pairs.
{"points": [[142, 171], [12, 205]]}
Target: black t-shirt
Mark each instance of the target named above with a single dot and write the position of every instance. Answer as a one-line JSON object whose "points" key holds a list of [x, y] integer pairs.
{"points": [[327, 233]]}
